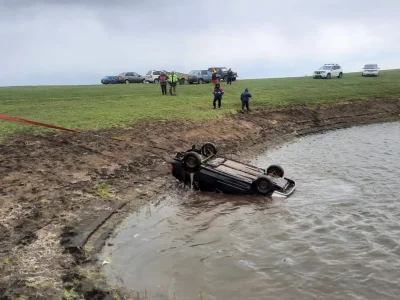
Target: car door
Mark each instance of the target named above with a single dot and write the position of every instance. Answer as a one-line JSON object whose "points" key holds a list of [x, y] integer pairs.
{"points": [[135, 77], [335, 71], [204, 75], [129, 77]]}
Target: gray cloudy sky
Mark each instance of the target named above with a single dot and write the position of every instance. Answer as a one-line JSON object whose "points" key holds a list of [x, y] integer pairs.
{"points": [[79, 42]]}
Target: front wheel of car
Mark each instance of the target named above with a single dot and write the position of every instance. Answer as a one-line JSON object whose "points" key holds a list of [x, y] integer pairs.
{"points": [[275, 170], [201, 81], [264, 185], [340, 75], [155, 80], [126, 81], [328, 76], [209, 149], [192, 161]]}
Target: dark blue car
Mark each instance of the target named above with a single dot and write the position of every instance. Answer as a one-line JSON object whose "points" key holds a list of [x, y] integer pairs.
{"points": [[110, 80]]}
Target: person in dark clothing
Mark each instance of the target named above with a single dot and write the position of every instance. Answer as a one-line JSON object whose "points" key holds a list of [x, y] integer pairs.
{"points": [[163, 83], [217, 92], [230, 75], [245, 97]]}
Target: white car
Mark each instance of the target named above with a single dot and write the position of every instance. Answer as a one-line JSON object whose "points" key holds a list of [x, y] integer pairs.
{"points": [[370, 70], [328, 71]]}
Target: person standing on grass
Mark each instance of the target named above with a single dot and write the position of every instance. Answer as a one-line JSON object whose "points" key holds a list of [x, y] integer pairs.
{"points": [[245, 97], [214, 76], [217, 92], [230, 75], [172, 80], [163, 83]]}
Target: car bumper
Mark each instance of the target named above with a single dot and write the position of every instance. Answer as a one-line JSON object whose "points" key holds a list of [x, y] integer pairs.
{"points": [[370, 73], [319, 75]]}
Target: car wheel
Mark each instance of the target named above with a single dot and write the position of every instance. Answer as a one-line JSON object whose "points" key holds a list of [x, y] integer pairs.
{"points": [[225, 77], [192, 161], [190, 82], [155, 80], [328, 76], [264, 185], [144, 81], [340, 75], [275, 170], [201, 81], [209, 149], [126, 81]]}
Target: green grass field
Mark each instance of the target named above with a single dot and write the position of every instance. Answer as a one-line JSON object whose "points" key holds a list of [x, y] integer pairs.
{"points": [[99, 106]]}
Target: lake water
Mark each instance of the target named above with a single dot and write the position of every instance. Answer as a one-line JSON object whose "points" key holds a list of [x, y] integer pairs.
{"points": [[336, 237]]}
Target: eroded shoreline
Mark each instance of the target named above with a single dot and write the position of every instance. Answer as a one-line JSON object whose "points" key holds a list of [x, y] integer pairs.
{"points": [[75, 188]]}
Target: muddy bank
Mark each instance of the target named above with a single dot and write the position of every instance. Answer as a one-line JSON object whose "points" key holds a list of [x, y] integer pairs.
{"points": [[62, 194]]}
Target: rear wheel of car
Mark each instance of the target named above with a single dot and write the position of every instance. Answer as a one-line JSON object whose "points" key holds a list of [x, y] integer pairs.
{"points": [[264, 185], [201, 81], [126, 81], [340, 75], [275, 170], [192, 161], [144, 81], [155, 80], [208, 149], [328, 76]]}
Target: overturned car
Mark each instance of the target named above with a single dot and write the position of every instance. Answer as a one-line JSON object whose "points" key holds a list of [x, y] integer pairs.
{"points": [[206, 171]]}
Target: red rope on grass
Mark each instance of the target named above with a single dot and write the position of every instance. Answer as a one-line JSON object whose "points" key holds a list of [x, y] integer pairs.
{"points": [[19, 120]]}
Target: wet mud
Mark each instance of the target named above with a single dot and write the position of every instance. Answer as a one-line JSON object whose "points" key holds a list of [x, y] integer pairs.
{"points": [[62, 194]]}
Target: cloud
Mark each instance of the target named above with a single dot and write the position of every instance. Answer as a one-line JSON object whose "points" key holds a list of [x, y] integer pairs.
{"points": [[86, 40]]}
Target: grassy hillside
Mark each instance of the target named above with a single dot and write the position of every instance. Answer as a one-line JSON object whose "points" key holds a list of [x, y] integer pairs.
{"points": [[98, 106]]}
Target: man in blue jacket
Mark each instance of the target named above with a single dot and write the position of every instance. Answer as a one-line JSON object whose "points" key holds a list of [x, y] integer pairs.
{"points": [[245, 97]]}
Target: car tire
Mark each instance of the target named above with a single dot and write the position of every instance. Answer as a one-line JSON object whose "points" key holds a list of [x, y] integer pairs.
{"points": [[155, 81], [144, 81], [340, 75], [328, 76], [190, 82], [192, 161], [225, 77], [126, 81], [264, 185], [201, 81], [209, 149], [276, 170]]}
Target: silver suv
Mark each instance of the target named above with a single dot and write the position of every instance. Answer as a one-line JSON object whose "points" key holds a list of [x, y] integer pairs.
{"points": [[152, 76]]}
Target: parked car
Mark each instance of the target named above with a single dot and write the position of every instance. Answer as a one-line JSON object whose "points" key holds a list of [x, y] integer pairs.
{"points": [[223, 73], [109, 80], [131, 77], [204, 170], [328, 71], [370, 70], [200, 76], [152, 76]]}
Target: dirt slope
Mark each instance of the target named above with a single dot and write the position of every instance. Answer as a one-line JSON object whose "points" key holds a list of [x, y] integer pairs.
{"points": [[56, 190]]}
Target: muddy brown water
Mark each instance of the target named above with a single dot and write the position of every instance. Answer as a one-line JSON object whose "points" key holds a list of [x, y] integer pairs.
{"points": [[336, 237]]}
